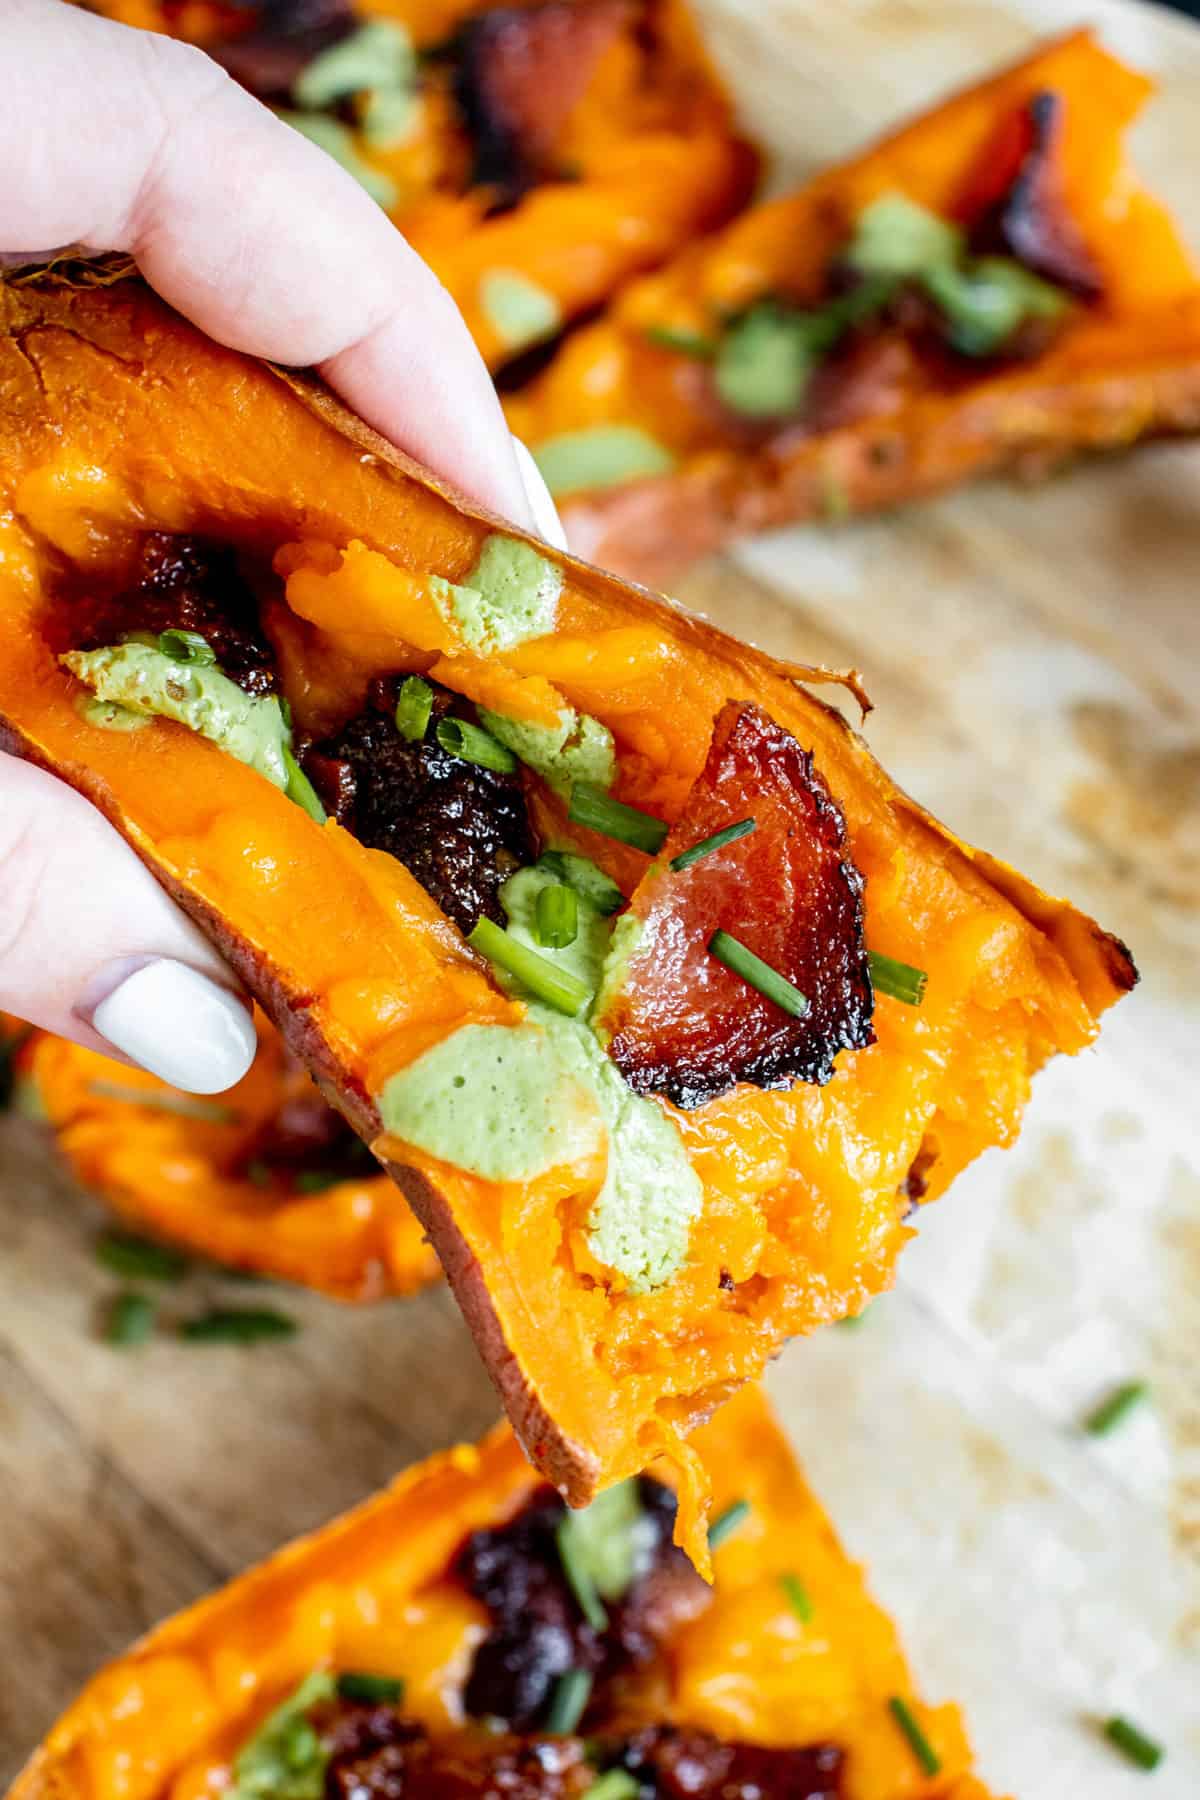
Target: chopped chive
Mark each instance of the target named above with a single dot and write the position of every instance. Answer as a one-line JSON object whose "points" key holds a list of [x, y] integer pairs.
{"points": [[684, 343], [727, 1522], [589, 882], [234, 1325], [315, 1181], [1103, 1418], [920, 1745], [470, 743], [798, 1598], [898, 980], [139, 1258], [565, 992], [592, 807], [717, 841], [258, 1172], [568, 1703], [556, 917], [757, 973], [614, 1784], [374, 1690], [301, 790], [130, 1321], [579, 1576], [413, 708], [186, 647], [186, 1106], [1134, 1744]]}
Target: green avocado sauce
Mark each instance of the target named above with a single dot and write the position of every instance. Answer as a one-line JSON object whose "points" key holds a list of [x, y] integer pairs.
{"points": [[143, 679], [510, 596], [511, 1102]]}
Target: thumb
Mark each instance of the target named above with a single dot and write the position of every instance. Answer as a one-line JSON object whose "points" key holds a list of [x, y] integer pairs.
{"points": [[93, 949]]}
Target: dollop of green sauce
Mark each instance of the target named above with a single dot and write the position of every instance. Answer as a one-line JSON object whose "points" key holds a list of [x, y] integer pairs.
{"points": [[142, 679], [510, 596], [577, 748], [511, 1102]]}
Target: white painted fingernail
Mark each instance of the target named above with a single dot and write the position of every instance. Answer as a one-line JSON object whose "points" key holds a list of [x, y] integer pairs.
{"points": [[181, 1026], [545, 513]]}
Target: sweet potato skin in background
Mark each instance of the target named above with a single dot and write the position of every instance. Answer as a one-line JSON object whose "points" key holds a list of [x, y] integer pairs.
{"points": [[116, 417], [366, 1592], [1125, 369], [657, 155], [175, 1176]]}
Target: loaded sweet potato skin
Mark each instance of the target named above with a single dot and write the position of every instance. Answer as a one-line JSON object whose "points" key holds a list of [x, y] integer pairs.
{"points": [[370, 1592], [202, 1175], [116, 418], [1123, 367], [646, 158]]}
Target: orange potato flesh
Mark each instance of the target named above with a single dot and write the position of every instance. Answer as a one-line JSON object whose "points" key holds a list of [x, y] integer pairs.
{"points": [[1123, 369], [178, 1176], [370, 1592], [116, 417], [653, 162]]}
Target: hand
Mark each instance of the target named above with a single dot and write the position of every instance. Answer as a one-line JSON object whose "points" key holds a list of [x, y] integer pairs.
{"points": [[120, 140]]}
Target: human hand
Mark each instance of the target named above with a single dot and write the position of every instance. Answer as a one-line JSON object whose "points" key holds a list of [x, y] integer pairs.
{"points": [[114, 139]]}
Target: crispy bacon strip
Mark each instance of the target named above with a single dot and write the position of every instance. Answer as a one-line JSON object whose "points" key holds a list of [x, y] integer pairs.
{"points": [[521, 70], [1015, 203], [682, 1024]]}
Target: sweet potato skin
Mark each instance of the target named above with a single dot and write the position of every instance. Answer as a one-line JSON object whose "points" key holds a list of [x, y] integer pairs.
{"points": [[164, 1717], [112, 377], [1122, 369]]}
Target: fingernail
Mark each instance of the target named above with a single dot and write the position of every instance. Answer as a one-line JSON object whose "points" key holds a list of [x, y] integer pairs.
{"points": [[180, 1025], [545, 513]]}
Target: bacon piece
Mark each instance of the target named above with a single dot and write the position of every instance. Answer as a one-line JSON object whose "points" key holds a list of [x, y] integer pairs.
{"points": [[1014, 203], [521, 71], [682, 1024]]}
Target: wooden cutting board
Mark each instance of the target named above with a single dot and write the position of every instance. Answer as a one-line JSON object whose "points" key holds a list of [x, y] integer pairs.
{"points": [[1035, 659]]}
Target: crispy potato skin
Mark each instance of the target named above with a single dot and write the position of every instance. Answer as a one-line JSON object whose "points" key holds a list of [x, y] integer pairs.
{"points": [[1122, 369], [116, 417], [165, 1717]]}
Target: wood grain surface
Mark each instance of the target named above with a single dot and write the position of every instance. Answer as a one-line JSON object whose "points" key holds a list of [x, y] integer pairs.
{"points": [[1034, 656]]}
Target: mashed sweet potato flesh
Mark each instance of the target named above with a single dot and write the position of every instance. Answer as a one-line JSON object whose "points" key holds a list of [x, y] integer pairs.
{"points": [[115, 418]]}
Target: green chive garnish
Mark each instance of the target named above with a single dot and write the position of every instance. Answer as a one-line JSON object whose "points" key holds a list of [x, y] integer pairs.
{"points": [[130, 1321], [373, 1690], [470, 743], [1133, 1743], [589, 882], [315, 1181], [186, 1106], [797, 1595], [186, 647], [300, 788], [413, 707], [258, 1172], [139, 1258], [1103, 1418], [727, 1522], [757, 973], [579, 1576], [565, 992], [572, 1692], [899, 981], [717, 841], [920, 1745], [684, 343], [556, 917], [614, 1784], [592, 807], [234, 1325]]}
